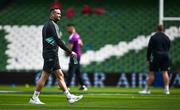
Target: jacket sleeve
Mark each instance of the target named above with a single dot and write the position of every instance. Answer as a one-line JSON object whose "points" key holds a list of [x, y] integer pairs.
{"points": [[169, 46], [57, 39], [149, 49]]}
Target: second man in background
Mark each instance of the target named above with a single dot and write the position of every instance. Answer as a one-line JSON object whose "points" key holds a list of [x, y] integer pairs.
{"points": [[75, 44]]}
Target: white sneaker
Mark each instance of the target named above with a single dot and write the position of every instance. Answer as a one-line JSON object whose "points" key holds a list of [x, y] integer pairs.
{"points": [[145, 92], [167, 92], [74, 98], [83, 88], [35, 101]]}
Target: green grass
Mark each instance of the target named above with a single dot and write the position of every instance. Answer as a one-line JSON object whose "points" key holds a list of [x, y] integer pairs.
{"points": [[109, 98]]}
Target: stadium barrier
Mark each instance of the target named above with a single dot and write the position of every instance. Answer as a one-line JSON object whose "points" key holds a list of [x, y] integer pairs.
{"points": [[96, 79]]}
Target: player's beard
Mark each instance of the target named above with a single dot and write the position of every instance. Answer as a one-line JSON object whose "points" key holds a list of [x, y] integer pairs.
{"points": [[57, 19]]}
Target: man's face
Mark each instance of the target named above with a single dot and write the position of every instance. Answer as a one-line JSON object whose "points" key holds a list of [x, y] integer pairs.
{"points": [[57, 14], [69, 29]]}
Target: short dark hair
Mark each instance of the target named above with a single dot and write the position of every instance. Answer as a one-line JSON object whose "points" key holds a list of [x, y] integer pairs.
{"points": [[52, 9], [160, 28], [70, 24]]}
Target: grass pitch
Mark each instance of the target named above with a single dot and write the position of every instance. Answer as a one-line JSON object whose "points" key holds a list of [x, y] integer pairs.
{"points": [[109, 98]]}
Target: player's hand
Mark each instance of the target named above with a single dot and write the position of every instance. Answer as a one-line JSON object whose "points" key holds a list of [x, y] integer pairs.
{"points": [[148, 63], [73, 54]]}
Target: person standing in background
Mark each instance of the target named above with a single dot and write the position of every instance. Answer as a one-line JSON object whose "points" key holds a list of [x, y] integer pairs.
{"points": [[158, 59], [75, 44]]}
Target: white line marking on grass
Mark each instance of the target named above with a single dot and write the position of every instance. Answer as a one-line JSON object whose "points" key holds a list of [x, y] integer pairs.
{"points": [[5, 91], [109, 94], [88, 94], [14, 104], [119, 94], [27, 104]]}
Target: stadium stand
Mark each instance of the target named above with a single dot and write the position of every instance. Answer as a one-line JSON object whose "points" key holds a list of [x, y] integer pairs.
{"points": [[21, 23]]}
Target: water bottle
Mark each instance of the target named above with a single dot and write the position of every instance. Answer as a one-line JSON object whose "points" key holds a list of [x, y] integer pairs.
{"points": [[75, 59]]}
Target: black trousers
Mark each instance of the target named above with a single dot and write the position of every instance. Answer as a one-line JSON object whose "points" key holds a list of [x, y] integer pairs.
{"points": [[74, 69]]}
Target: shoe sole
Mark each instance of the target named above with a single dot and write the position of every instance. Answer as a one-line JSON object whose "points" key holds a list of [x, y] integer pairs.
{"points": [[31, 102], [36, 103], [144, 93], [83, 89], [77, 99]]}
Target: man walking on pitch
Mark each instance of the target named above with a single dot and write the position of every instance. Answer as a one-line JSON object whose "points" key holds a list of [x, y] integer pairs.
{"points": [[158, 59], [75, 44], [51, 41]]}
